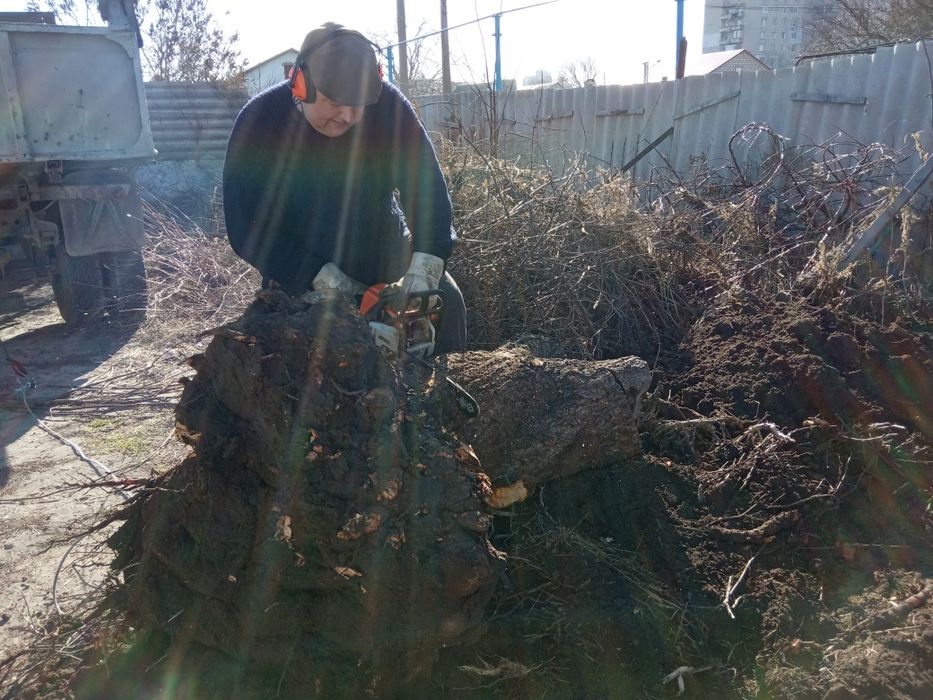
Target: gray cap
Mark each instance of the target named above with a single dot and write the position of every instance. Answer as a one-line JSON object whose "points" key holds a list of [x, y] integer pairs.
{"points": [[342, 64]]}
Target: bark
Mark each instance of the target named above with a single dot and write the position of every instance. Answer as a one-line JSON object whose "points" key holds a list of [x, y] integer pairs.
{"points": [[545, 418]]}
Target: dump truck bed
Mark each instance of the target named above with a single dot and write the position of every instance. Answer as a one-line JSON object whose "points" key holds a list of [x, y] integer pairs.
{"points": [[71, 93]]}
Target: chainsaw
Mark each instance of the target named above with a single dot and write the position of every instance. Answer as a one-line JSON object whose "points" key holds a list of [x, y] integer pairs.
{"points": [[414, 327]]}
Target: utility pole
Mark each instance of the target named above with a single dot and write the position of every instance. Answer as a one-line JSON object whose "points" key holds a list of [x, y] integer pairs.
{"points": [[648, 66], [402, 47], [682, 58], [498, 35], [680, 54], [445, 51]]}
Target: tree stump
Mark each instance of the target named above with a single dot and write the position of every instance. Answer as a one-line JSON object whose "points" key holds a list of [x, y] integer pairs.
{"points": [[330, 512], [317, 518]]}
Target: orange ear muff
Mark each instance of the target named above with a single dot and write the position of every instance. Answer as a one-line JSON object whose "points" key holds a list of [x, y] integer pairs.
{"points": [[297, 83]]}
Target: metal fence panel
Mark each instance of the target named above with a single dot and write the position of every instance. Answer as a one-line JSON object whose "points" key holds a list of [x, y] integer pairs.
{"points": [[192, 121], [863, 98], [858, 99]]}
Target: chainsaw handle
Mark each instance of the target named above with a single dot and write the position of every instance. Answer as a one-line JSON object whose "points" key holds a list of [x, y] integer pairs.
{"points": [[377, 299], [424, 302]]}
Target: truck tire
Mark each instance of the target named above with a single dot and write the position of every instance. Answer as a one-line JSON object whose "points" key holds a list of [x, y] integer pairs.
{"points": [[78, 285], [106, 284], [124, 277]]}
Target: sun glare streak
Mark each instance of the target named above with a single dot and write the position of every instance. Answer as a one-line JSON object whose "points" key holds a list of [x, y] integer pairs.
{"points": [[351, 183]]}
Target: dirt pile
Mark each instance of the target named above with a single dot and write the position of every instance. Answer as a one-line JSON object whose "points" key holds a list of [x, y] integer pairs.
{"points": [[791, 360], [324, 534], [772, 541], [811, 461]]}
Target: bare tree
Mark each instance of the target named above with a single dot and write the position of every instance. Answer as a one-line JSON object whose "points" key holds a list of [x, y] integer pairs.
{"points": [[424, 71], [577, 74], [854, 24], [910, 20], [185, 44], [82, 12]]}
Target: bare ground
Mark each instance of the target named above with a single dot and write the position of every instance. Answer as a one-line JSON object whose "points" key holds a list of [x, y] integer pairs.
{"points": [[100, 392]]}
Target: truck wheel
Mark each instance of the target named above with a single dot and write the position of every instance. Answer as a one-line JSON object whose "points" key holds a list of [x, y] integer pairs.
{"points": [[77, 285], [124, 277]]}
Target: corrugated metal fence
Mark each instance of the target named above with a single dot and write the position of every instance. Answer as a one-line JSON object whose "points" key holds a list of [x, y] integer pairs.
{"points": [[192, 121], [879, 98], [864, 98]]}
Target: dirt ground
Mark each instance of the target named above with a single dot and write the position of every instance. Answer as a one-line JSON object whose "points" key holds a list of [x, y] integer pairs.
{"points": [[95, 406]]}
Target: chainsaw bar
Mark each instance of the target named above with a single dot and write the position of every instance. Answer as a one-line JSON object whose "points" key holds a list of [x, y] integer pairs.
{"points": [[465, 402]]}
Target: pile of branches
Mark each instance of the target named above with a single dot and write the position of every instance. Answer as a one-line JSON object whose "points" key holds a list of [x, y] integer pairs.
{"points": [[781, 218], [195, 279], [603, 267], [550, 256], [595, 266]]}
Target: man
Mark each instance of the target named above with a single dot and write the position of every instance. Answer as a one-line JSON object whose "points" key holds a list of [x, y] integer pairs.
{"points": [[331, 182]]}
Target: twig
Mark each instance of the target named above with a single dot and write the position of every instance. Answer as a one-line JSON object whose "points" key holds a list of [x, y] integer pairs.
{"points": [[679, 673], [58, 571], [761, 534], [727, 600], [97, 466], [887, 617]]}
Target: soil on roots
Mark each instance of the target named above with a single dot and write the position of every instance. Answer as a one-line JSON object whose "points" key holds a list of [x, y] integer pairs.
{"points": [[323, 536], [780, 512]]}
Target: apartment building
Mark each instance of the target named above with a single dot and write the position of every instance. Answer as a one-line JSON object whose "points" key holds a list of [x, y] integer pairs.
{"points": [[772, 30]]}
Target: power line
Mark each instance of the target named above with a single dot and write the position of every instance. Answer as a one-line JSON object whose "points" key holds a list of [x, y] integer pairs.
{"points": [[464, 24], [497, 15]]}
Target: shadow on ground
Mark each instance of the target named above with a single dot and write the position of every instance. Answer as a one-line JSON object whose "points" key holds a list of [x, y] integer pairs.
{"points": [[56, 359]]}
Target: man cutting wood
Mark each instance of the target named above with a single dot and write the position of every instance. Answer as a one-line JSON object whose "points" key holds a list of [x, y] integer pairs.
{"points": [[331, 182]]}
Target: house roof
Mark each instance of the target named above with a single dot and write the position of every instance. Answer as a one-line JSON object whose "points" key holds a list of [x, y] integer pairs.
{"points": [[272, 59], [707, 63]]}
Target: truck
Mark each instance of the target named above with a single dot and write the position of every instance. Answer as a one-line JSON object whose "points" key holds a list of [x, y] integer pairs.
{"points": [[73, 126]]}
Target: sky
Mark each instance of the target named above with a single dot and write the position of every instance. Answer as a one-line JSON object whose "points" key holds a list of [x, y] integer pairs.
{"points": [[618, 36]]}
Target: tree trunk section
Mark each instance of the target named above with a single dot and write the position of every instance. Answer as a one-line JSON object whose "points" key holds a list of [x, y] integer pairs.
{"points": [[545, 418]]}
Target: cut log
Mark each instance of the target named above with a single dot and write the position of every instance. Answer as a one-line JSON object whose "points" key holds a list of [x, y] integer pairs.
{"points": [[545, 418]]}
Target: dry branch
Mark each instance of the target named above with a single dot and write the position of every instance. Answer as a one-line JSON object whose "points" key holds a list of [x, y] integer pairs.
{"points": [[761, 534], [886, 618]]}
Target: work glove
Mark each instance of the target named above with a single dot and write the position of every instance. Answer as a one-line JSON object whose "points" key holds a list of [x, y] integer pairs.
{"points": [[332, 277], [424, 273]]}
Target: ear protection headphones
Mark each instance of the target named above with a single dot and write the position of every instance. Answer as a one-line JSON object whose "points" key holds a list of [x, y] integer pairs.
{"points": [[299, 80]]}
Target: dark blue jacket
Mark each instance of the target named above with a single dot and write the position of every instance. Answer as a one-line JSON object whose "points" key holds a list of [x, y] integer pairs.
{"points": [[295, 199]]}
